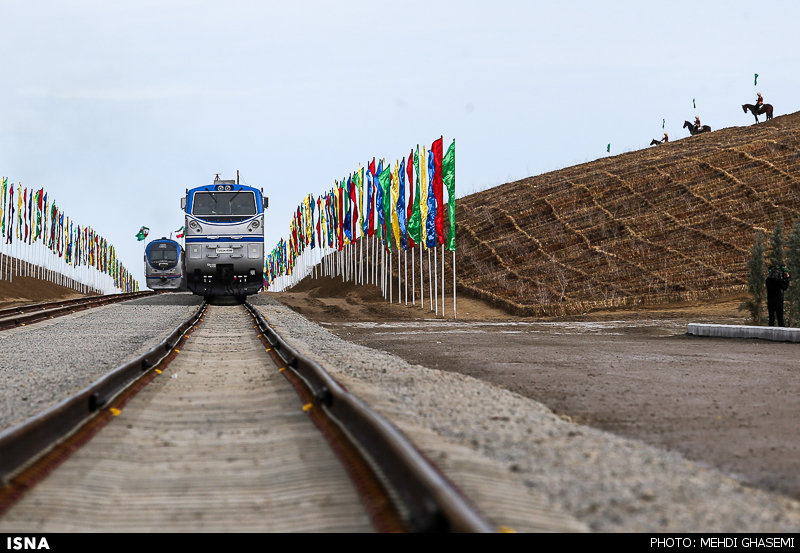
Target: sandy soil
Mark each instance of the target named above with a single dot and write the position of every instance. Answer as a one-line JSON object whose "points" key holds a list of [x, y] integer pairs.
{"points": [[727, 403]]}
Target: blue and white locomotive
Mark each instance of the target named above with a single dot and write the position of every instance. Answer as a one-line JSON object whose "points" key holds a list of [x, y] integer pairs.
{"points": [[224, 239], [164, 265]]}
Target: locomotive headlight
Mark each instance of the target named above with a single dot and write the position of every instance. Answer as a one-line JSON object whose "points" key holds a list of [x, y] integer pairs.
{"points": [[254, 225], [195, 226]]}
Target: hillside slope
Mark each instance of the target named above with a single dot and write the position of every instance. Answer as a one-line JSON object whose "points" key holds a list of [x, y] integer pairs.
{"points": [[669, 223]]}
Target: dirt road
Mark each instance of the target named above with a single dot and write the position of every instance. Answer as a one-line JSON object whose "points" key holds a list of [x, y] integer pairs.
{"points": [[727, 403]]}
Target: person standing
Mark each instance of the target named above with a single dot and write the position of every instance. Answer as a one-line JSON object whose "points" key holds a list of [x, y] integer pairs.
{"points": [[777, 282]]}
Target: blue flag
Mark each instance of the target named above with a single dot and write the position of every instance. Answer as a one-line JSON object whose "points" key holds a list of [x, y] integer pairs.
{"points": [[430, 223], [401, 203], [346, 202], [379, 202]]}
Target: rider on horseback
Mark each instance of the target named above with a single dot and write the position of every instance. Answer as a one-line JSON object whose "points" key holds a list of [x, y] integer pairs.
{"points": [[666, 138], [697, 123], [759, 101]]}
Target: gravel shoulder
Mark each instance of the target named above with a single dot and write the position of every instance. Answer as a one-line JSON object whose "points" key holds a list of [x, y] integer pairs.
{"points": [[569, 447], [44, 363]]}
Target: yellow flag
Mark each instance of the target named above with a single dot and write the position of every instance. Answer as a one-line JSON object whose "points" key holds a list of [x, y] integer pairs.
{"points": [[395, 199], [423, 196]]}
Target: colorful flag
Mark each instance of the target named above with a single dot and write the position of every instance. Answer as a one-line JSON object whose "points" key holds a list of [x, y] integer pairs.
{"points": [[352, 187], [179, 232], [423, 199], [320, 216], [449, 178], [395, 191], [142, 234], [401, 202], [373, 187], [436, 150], [340, 200], [411, 204], [360, 195], [430, 223], [385, 182], [379, 201]]}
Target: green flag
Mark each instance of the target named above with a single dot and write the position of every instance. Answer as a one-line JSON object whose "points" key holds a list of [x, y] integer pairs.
{"points": [[755, 80], [142, 234], [385, 182], [608, 148], [449, 178], [414, 227]]}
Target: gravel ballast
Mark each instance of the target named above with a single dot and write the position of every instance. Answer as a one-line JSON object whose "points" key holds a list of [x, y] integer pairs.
{"points": [[598, 481], [44, 363]]}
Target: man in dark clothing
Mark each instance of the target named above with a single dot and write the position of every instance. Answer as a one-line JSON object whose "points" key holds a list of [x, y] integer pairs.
{"points": [[777, 282]]}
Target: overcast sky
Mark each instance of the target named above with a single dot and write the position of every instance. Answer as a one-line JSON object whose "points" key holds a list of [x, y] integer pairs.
{"points": [[116, 107]]}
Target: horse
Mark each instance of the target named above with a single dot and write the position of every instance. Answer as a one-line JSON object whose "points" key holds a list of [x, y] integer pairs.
{"points": [[765, 108], [655, 142], [693, 131]]}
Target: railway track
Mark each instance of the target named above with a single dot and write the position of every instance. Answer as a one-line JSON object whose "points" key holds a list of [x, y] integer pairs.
{"points": [[22, 315], [205, 432]]}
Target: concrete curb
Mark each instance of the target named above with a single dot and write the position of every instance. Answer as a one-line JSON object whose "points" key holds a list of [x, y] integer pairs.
{"points": [[776, 334]]}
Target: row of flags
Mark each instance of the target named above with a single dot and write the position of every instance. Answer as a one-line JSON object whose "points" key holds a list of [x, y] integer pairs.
{"points": [[402, 204], [31, 217]]}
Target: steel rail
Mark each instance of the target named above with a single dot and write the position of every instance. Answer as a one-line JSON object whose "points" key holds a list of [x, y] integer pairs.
{"points": [[12, 317], [430, 502], [23, 444]]}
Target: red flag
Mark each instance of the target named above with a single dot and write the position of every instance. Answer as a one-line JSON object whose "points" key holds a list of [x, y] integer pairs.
{"points": [[436, 151], [319, 218]]}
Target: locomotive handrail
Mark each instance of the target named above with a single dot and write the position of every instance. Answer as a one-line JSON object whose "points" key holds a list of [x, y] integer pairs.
{"points": [[430, 501], [27, 441]]}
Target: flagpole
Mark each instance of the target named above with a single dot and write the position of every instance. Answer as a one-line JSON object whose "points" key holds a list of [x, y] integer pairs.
{"points": [[455, 312], [399, 272], [430, 282], [443, 280], [421, 280], [413, 280], [391, 300], [405, 265]]}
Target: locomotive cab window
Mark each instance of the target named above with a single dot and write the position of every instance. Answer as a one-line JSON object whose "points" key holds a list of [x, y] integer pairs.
{"points": [[163, 252], [224, 206]]}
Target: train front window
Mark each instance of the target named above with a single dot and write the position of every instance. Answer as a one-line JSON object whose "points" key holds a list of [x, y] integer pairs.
{"points": [[224, 206], [167, 253]]}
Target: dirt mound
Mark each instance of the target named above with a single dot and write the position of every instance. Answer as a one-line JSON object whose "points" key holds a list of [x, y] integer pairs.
{"points": [[24, 290], [656, 226]]}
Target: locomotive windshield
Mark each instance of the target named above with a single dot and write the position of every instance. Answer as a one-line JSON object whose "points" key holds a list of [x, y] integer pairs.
{"points": [[163, 255], [224, 206], [163, 252]]}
